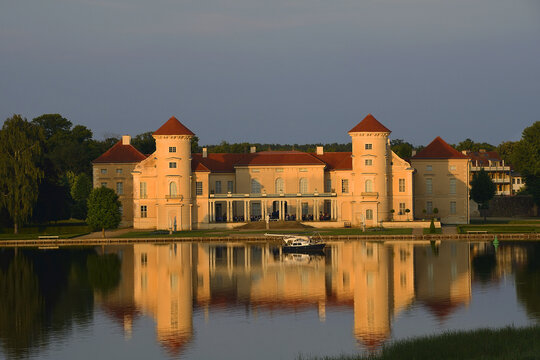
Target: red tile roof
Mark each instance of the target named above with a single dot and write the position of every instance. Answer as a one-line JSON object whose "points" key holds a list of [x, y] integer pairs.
{"points": [[219, 162], [279, 158], [482, 158], [439, 149], [336, 160], [173, 127], [370, 124], [121, 154]]}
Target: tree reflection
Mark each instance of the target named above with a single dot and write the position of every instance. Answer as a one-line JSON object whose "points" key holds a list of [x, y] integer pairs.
{"points": [[21, 307], [484, 265], [103, 272], [528, 282], [43, 296]]}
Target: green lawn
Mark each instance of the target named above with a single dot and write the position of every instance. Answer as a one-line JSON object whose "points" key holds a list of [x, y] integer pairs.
{"points": [[64, 229], [501, 228], [485, 344]]}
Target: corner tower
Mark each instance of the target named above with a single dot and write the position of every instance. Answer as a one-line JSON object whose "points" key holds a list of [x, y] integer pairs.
{"points": [[371, 166], [173, 166]]}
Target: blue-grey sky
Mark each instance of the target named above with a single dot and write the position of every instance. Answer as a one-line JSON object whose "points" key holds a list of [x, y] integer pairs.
{"points": [[278, 71]]}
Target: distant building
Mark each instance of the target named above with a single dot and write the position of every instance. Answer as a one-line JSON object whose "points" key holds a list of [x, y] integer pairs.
{"points": [[177, 190], [497, 169], [441, 183]]}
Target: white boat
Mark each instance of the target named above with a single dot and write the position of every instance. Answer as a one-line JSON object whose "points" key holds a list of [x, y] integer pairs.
{"points": [[299, 243]]}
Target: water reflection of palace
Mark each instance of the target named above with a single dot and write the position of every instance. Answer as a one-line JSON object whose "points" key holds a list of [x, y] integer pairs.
{"points": [[377, 280]]}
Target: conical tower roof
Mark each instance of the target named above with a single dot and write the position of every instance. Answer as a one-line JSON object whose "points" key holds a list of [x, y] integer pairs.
{"points": [[173, 127], [369, 124]]}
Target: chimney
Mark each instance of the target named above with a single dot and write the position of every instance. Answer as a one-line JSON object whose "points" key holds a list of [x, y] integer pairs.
{"points": [[320, 150], [413, 152], [253, 149], [126, 140], [204, 152]]}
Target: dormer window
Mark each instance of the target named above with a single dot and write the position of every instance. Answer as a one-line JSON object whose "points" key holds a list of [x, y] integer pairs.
{"points": [[172, 149]]}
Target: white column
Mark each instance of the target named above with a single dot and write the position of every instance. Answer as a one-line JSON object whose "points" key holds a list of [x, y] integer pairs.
{"points": [[190, 217], [245, 211], [248, 210], [298, 217]]}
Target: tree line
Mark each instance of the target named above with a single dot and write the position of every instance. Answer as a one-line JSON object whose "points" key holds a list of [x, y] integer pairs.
{"points": [[46, 164]]}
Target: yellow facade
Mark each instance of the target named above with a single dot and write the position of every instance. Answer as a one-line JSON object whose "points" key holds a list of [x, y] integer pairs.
{"points": [[441, 189], [173, 189]]}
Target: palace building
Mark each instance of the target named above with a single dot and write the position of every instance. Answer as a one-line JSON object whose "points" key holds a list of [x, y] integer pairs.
{"points": [[174, 189]]}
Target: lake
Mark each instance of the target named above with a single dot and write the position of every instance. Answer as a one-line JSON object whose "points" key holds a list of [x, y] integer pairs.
{"points": [[248, 300]]}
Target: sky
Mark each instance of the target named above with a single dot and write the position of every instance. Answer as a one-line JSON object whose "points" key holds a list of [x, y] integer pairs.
{"points": [[276, 71]]}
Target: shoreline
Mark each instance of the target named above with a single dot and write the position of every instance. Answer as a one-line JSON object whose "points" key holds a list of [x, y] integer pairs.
{"points": [[53, 243]]}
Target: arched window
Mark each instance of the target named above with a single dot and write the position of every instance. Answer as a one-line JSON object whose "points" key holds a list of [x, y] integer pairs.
{"points": [[255, 186], [279, 185], [172, 188], [369, 186], [303, 186]]}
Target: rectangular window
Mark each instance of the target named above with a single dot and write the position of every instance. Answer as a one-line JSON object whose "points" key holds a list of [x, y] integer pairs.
{"points": [[218, 187], [172, 149], [369, 214], [142, 190], [345, 186], [303, 170], [452, 186], [103, 171], [452, 167], [429, 186], [429, 168], [369, 146], [172, 165], [305, 209], [230, 186], [118, 171], [120, 188], [368, 162], [144, 211], [401, 208], [429, 207], [328, 186], [452, 207], [104, 184], [198, 188], [401, 185], [279, 170]]}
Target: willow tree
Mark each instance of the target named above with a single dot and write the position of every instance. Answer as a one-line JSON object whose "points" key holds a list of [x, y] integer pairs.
{"points": [[20, 149]]}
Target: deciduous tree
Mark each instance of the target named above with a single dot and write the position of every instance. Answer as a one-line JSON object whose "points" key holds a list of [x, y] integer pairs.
{"points": [[103, 209], [482, 190], [20, 149], [526, 159]]}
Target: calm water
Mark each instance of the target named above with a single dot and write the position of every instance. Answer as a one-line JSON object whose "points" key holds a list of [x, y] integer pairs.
{"points": [[243, 301]]}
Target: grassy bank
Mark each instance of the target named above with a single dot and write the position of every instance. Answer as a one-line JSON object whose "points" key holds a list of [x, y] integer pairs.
{"points": [[507, 343], [64, 229], [500, 228]]}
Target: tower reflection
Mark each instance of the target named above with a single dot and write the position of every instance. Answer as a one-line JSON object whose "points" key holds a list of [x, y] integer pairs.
{"points": [[375, 280]]}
